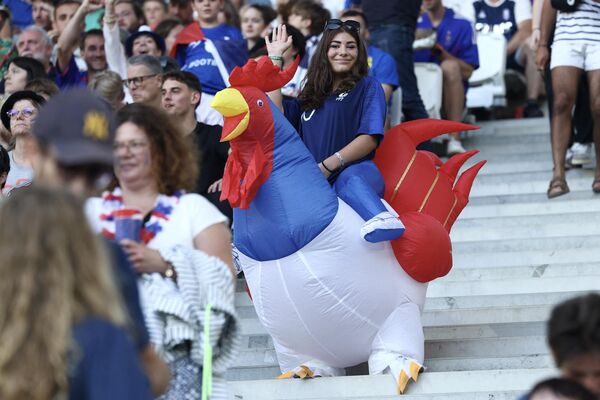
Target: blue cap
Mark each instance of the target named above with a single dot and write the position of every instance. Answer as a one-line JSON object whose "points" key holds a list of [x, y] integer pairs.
{"points": [[79, 127]]}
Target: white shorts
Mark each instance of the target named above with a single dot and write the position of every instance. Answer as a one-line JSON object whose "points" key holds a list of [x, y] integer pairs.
{"points": [[205, 113], [585, 56]]}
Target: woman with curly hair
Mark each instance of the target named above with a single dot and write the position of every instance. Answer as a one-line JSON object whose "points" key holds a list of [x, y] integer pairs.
{"points": [[154, 167], [340, 115], [62, 323]]}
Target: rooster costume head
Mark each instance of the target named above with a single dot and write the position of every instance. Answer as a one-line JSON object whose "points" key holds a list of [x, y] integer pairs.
{"points": [[248, 119]]}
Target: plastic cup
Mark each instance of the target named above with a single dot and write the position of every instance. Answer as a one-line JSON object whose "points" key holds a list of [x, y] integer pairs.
{"points": [[128, 224]]}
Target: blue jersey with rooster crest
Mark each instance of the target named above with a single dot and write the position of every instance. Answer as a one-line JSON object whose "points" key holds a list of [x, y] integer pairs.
{"points": [[340, 119]]}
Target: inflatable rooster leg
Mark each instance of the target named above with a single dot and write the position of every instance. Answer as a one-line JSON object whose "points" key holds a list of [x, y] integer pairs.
{"points": [[330, 299], [361, 187]]}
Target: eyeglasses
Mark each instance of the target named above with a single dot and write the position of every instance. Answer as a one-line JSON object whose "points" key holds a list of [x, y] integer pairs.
{"points": [[133, 146], [26, 112], [138, 80], [334, 24]]}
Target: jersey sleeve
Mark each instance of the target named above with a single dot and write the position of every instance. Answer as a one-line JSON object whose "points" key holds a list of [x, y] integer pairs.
{"points": [[523, 11], [292, 112], [386, 71], [71, 76], [468, 46], [373, 110]]}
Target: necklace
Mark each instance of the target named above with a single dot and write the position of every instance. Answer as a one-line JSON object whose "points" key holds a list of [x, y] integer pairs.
{"points": [[153, 222]]}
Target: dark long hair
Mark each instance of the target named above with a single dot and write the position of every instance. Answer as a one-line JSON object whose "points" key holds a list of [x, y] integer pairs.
{"points": [[320, 77]]}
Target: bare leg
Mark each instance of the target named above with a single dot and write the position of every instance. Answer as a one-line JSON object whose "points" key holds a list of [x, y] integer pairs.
{"points": [[564, 86], [453, 95], [532, 74], [594, 85]]}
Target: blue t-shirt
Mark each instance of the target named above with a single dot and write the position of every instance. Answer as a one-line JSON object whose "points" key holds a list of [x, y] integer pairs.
{"points": [[382, 67], [126, 281], [104, 365], [340, 119], [223, 32], [21, 13], [196, 59], [500, 19], [454, 34], [71, 77], [201, 63]]}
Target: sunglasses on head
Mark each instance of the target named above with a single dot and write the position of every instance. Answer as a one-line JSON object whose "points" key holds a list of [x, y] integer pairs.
{"points": [[334, 24]]}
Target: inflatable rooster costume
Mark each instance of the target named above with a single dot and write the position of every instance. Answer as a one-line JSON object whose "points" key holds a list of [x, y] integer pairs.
{"points": [[328, 298]]}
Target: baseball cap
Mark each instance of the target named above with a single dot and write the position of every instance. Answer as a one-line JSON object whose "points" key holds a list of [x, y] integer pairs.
{"points": [[79, 126]]}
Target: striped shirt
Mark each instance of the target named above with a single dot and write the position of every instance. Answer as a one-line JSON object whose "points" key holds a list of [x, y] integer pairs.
{"points": [[582, 25]]}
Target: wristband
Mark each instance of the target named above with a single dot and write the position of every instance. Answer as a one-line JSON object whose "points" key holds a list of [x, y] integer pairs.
{"points": [[276, 58], [325, 166], [339, 157]]}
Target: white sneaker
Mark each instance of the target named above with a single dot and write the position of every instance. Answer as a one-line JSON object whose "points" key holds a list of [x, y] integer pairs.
{"points": [[569, 159], [454, 147], [582, 153], [382, 227]]}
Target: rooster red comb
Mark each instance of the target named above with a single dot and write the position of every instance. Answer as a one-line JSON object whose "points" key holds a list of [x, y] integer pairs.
{"points": [[262, 74]]}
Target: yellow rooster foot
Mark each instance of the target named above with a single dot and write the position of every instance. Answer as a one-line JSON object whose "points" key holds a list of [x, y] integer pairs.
{"points": [[312, 369], [403, 377], [402, 368]]}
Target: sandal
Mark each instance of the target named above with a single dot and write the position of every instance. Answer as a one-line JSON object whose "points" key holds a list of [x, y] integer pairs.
{"points": [[558, 187], [596, 185]]}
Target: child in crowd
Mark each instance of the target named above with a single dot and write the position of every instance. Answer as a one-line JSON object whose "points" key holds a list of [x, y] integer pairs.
{"points": [[210, 53], [255, 25], [208, 17], [154, 11], [308, 17]]}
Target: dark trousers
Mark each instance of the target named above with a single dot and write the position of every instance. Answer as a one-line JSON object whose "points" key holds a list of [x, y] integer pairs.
{"points": [[397, 40]]}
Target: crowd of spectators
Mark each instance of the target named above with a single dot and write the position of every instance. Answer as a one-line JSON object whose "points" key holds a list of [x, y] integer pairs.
{"points": [[157, 65]]}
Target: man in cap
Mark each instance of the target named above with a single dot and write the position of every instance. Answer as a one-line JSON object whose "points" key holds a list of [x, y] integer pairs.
{"points": [[74, 134]]}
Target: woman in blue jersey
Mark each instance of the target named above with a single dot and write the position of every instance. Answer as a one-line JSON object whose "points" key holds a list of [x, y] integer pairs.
{"points": [[340, 115]]}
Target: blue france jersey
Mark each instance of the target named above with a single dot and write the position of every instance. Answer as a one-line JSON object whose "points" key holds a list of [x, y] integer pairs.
{"points": [[71, 77], [340, 119], [223, 32], [382, 67], [201, 63], [454, 34], [500, 19]]}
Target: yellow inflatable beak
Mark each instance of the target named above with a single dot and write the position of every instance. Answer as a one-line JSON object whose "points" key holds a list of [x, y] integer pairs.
{"points": [[236, 113]]}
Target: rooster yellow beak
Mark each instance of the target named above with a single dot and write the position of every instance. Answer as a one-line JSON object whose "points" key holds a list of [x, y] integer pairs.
{"points": [[236, 113]]}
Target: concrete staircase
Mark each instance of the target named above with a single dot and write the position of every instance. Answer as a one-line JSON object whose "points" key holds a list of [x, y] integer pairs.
{"points": [[516, 254]]}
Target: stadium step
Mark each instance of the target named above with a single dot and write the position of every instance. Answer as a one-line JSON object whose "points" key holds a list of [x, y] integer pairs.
{"points": [[516, 255]]}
